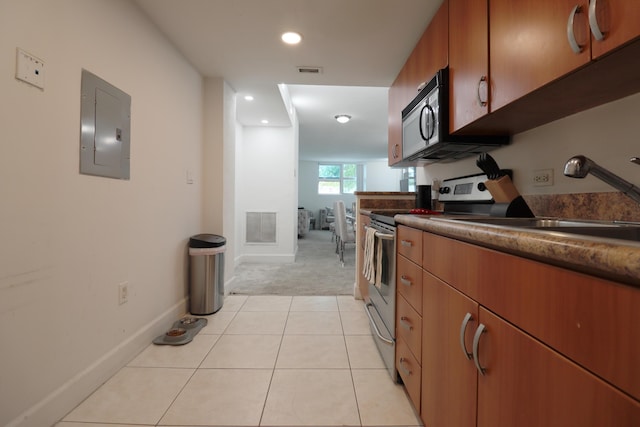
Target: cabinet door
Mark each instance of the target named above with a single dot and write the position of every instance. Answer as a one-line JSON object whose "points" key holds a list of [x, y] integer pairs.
{"points": [[396, 104], [526, 384], [528, 45], [468, 61], [449, 378], [617, 20]]}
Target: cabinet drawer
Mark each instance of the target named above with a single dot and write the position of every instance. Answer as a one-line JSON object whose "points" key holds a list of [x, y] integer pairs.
{"points": [[409, 326], [409, 282], [410, 243], [410, 371]]}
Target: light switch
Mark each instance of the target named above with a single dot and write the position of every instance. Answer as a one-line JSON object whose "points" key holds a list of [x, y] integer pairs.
{"points": [[189, 177], [29, 69]]}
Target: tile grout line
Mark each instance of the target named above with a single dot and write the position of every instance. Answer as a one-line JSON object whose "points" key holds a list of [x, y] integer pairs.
{"points": [[275, 362], [353, 384]]}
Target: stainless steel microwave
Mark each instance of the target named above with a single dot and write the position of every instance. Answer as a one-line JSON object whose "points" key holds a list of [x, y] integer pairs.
{"points": [[425, 127]]}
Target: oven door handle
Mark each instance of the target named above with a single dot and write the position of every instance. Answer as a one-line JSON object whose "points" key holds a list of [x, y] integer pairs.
{"points": [[383, 236], [375, 327]]}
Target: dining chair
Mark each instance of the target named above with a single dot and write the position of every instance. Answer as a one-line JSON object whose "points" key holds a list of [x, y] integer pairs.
{"points": [[345, 234]]}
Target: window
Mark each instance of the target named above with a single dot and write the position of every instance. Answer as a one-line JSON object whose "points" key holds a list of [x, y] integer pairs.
{"points": [[337, 178], [408, 180]]}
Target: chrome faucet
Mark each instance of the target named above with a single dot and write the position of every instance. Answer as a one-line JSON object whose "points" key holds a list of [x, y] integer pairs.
{"points": [[580, 166]]}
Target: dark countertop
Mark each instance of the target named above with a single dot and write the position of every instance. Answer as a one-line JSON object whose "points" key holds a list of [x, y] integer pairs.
{"points": [[611, 259]]}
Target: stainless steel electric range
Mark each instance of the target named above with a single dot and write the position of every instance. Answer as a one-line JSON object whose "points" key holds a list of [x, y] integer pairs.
{"points": [[465, 195]]}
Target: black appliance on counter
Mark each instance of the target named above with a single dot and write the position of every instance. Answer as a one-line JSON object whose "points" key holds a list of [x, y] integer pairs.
{"points": [[425, 127]]}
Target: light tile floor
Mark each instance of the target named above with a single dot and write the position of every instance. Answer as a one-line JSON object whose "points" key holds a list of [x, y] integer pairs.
{"points": [[260, 361]]}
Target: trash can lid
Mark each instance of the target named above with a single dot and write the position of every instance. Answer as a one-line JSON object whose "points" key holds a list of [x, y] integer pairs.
{"points": [[206, 241]]}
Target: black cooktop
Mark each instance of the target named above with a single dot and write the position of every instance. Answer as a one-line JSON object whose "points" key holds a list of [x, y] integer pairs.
{"points": [[386, 216]]}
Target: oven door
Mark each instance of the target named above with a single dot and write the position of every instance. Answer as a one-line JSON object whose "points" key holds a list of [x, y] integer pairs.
{"points": [[385, 342], [381, 307]]}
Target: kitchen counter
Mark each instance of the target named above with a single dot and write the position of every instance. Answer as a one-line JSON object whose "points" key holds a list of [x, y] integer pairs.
{"points": [[604, 258]]}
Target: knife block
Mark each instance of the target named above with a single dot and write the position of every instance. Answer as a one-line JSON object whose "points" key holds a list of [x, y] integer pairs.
{"points": [[517, 208]]}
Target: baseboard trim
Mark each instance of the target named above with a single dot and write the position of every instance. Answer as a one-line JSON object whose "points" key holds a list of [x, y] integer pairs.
{"points": [[268, 259], [61, 401]]}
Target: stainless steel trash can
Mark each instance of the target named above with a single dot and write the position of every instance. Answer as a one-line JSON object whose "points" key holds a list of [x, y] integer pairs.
{"points": [[206, 273]]}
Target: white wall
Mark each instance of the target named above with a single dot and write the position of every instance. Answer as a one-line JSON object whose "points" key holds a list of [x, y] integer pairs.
{"points": [[67, 240], [378, 177], [609, 135], [266, 181], [219, 164]]}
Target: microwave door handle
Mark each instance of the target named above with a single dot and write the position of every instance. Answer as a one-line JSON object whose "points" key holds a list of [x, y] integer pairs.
{"points": [[422, 122], [431, 121]]}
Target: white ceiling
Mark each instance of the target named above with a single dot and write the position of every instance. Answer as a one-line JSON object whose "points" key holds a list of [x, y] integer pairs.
{"points": [[360, 44]]}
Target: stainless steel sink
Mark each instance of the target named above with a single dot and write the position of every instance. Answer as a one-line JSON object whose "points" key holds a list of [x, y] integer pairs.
{"points": [[604, 229]]}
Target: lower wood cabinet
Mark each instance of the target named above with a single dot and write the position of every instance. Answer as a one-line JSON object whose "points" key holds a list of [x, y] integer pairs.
{"points": [[525, 383], [449, 379], [409, 370], [478, 369], [488, 358]]}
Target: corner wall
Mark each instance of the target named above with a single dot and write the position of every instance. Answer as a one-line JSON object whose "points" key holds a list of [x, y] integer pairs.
{"points": [[68, 240], [267, 182]]}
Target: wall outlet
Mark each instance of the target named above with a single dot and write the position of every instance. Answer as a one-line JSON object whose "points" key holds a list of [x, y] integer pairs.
{"points": [[123, 292], [542, 177]]}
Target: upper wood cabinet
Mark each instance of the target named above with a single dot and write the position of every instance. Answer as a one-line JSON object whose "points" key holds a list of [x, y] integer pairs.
{"points": [[512, 66], [430, 54], [530, 41], [468, 62], [617, 20], [529, 45]]}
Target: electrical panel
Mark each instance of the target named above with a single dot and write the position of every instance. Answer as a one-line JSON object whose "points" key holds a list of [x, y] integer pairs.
{"points": [[105, 128]]}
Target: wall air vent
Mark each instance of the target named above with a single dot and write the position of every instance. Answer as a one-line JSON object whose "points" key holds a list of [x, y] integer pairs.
{"points": [[310, 70], [261, 227]]}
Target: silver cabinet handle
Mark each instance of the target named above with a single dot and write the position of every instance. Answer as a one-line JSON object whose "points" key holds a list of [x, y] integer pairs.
{"points": [[593, 21], [405, 324], [404, 368], [463, 329], [635, 160], [476, 342], [483, 91], [405, 281], [407, 243], [571, 35]]}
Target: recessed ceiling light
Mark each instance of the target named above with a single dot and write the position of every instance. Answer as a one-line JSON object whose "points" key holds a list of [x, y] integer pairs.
{"points": [[291, 37], [264, 122], [248, 98], [343, 118]]}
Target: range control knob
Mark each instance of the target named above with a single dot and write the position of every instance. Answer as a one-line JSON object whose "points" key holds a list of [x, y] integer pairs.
{"points": [[481, 186], [444, 190]]}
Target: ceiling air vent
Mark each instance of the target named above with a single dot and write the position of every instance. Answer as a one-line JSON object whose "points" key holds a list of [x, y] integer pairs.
{"points": [[310, 70]]}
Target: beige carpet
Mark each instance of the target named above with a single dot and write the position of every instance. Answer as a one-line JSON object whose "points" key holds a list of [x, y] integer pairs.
{"points": [[316, 271]]}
